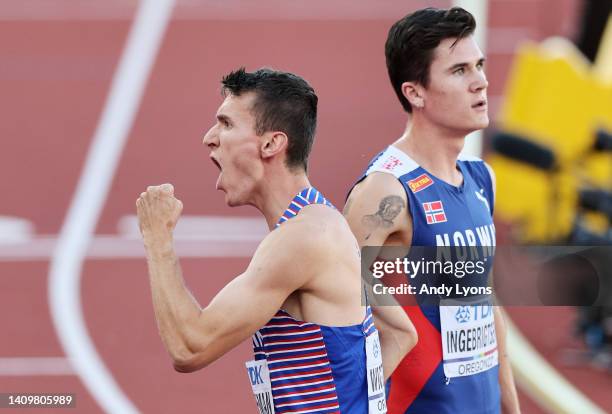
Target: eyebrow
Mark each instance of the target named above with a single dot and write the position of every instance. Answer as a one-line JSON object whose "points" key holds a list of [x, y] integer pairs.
{"points": [[223, 118], [464, 64]]}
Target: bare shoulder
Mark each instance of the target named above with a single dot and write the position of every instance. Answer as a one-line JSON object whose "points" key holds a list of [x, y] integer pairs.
{"points": [[319, 227], [303, 232], [376, 185], [377, 208], [300, 247], [279, 254]]}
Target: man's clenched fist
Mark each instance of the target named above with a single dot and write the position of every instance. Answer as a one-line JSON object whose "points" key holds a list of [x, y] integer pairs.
{"points": [[158, 211]]}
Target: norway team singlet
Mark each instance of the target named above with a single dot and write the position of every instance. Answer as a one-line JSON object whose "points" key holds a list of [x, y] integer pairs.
{"points": [[438, 376], [302, 367]]}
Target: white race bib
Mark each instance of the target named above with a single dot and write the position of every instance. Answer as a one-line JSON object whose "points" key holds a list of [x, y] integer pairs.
{"points": [[259, 376], [469, 344], [377, 403]]}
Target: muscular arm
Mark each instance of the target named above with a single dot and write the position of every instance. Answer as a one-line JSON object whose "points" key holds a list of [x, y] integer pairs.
{"points": [[194, 337], [509, 397], [376, 209]]}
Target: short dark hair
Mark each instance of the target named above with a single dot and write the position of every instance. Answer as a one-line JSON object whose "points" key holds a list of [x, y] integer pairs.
{"points": [[283, 102], [412, 40]]}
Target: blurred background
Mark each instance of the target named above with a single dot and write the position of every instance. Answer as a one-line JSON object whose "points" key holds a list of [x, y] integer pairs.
{"points": [[101, 99]]}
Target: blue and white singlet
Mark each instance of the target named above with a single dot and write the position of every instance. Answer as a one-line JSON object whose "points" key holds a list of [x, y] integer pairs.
{"points": [[302, 367], [439, 376]]}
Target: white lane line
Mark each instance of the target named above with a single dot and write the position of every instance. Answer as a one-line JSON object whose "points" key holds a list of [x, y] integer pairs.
{"points": [[35, 366], [117, 117], [195, 236], [211, 227], [112, 247], [15, 229], [546, 386]]}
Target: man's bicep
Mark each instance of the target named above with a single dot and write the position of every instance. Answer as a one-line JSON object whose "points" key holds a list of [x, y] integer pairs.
{"points": [[242, 307], [375, 209], [248, 302]]}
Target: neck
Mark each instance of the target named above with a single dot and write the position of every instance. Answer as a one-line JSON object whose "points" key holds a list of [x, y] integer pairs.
{"points": [[276, 192], [433, 148]]}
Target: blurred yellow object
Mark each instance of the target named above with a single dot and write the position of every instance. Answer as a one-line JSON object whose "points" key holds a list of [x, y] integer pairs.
{"points": [[557, 99], [554, 98], [526, 197], [597, 170]]}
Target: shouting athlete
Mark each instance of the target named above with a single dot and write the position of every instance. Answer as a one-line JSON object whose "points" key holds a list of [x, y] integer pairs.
{"points": [[316, 347], [420, 191]]}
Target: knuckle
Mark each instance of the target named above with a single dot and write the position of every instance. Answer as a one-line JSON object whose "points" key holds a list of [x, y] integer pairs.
{"points": [[167, 188]]}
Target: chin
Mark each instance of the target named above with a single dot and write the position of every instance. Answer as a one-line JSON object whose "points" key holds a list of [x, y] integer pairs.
{"points": [[484, 121], [478, 125], [233, 201], [229, 201], [226, 197], [483, 125]]}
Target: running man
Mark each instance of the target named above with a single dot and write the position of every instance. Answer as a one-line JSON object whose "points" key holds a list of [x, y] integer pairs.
{"points": [[420, 191], [316, 348]]}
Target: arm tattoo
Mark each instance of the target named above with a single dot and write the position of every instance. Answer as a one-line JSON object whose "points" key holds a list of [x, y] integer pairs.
{"points": [[388, 210]]}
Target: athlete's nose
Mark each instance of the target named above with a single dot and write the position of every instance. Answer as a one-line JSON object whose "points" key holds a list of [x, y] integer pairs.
{"points": [[211, 138], [480, 83]]}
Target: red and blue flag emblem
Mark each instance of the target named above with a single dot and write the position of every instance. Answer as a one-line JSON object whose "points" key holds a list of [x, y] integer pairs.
{"points": [[434, 212]]}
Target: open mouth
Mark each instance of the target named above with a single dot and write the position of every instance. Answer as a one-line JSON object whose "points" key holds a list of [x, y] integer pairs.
{"points": [[480, 104], [215, 162]]}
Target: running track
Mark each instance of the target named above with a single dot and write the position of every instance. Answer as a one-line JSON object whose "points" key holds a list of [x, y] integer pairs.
{"points": [[56, 64]]}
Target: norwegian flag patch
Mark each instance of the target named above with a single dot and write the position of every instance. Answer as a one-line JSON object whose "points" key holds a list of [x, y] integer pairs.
{"points": [[434, 212]]}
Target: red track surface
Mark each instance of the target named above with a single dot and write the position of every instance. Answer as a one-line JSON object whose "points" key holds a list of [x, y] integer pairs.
{"points": [[54, 78]]}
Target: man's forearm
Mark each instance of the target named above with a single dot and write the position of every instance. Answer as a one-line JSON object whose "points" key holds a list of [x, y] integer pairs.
{"points": [[174, 306], [394, 348], [397, 335], [509, 396]]}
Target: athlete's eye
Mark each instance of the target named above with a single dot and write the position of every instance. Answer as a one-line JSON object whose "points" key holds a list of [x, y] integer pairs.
{"points": [[459, 71]]}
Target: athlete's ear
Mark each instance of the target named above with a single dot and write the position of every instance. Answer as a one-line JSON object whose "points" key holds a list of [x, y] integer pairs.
{"points": [[414, 93], [273, 143]]}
